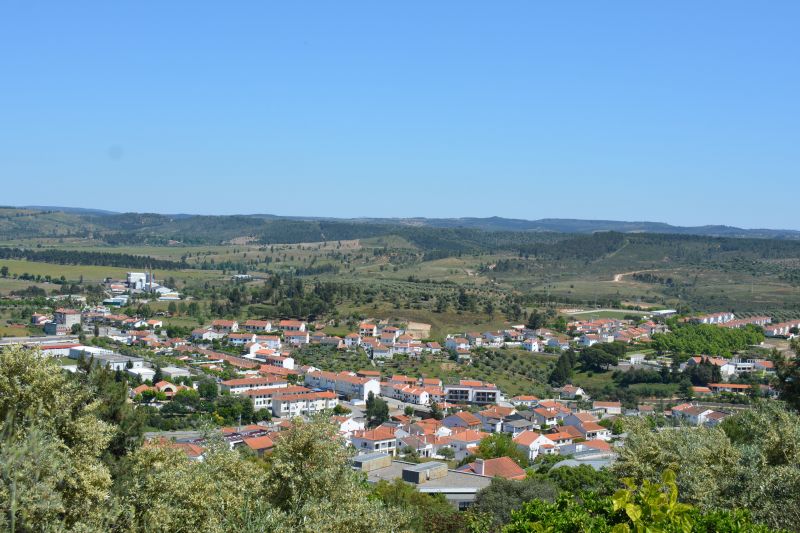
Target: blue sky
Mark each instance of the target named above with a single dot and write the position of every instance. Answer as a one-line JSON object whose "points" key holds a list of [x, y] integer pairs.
{"points": [[683, 112]]}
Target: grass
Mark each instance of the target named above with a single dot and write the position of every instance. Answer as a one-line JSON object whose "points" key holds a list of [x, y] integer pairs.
{"points": [[594, 381], [15, 331], [441, 323]]}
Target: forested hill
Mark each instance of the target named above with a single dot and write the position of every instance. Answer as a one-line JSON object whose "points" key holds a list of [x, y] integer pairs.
{"points": [[140, 227]]}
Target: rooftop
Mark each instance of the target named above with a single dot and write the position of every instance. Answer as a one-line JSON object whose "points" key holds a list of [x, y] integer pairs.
{"points": [[454, 482]]}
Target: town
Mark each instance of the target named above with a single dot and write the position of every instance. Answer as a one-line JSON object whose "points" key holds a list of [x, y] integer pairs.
{"points": [[417, 428]]}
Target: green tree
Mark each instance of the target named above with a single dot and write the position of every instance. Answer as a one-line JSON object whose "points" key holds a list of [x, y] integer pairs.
{"points": [[429, 512], [787, 376], [596, 359], [750, 461], [217, 494], [501, 445], [583, 478], [536, 320], [377, 410], [447, 452], [207, 389], [504, 496], [188, 398], [59, 416], [650, 507], [324, 494]]}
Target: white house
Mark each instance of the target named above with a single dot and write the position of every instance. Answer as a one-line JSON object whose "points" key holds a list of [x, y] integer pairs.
{"points": [[380, 439], [240, 339], [238, 386], [257, 326], [456, 343], [533, 443], [610, 408], [297, 339], [273, 342], [531, 345], [307, 403]]}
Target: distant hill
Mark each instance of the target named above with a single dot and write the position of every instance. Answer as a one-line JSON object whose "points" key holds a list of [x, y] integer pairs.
{"points": [[75, 210], [120, 228], [568, 225]]}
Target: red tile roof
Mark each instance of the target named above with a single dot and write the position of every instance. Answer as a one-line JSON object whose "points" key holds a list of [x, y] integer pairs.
{"points": [[379, 433], [259, 443], [504, 467]]}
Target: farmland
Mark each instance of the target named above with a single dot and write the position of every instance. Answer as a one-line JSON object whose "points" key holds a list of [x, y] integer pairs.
{"points": [[455, 279]]}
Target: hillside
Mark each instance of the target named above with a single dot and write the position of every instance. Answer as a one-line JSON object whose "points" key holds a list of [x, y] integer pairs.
{"points": [[526, 267], [147, 227]]}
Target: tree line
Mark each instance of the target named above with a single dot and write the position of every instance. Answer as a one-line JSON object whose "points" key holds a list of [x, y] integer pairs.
{"points": [[78, 257]]}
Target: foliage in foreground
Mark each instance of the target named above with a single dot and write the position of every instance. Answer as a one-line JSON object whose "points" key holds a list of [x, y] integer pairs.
{"points": [[652, 508], [71, 460], [751, 462], [65, 465]]}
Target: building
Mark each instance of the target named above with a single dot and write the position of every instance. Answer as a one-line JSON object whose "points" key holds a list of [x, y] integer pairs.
{"points": [[202, 334], [257, 326], [406, 393], [303, 403], [112, 361], [238, 386], [282, 361], [143, 373], [137, 280], [262, 398], [172, 372], [463, 419], [533, 443], [458, 488], [714, 318], [240, 339], [367, 330], [531, 345], [471, 391], [588, 425], [343, 383], [571, 392], [260, 445], [57, 349], [465, 442], [297, 338], [63, 321], [503, 467], [734, 388], [456, 343], [691, 414], [292, 325], [525, 401], [381, 439], [609, 408], [273, 342], [225, 326]]}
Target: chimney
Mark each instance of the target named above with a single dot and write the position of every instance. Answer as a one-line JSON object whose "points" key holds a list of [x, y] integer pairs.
{"points": [[479, 466]]}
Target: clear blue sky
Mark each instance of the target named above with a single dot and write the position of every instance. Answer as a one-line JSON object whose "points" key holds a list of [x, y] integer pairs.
{"points": [[685, 112]]}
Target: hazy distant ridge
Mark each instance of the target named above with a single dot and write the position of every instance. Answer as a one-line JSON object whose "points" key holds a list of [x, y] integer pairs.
{"points": [[556, 225]]}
